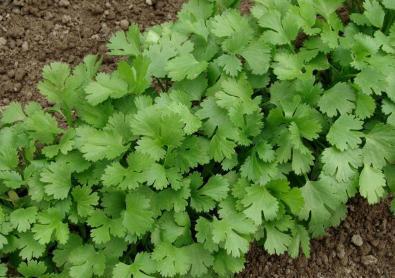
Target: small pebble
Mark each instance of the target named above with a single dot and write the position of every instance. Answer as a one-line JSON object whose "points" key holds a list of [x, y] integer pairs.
{"points": [[3, 41], [11, 73], [25, 46], [149, 2], [124, 24], [64, 3], [368, 260], [357, 240], [340, 251], [19, 74]]}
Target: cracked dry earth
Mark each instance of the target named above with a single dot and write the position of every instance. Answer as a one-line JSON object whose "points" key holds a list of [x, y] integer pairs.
{"points": [[36, 32]]}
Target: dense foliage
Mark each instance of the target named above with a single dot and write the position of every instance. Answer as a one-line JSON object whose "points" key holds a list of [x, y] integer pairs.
{"points": [[258, 127]]}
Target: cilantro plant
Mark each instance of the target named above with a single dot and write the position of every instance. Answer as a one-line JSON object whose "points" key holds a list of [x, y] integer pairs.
{"points": [[213, 131]]}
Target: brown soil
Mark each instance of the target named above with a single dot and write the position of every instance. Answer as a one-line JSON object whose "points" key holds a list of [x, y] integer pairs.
{"points": [[363, 246], [36, 32]]}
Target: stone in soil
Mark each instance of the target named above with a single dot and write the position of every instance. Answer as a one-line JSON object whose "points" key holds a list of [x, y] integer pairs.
{"points": [[357, 240]]}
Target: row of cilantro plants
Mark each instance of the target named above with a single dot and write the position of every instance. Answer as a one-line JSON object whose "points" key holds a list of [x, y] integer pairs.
{"points": [[248, 133]]}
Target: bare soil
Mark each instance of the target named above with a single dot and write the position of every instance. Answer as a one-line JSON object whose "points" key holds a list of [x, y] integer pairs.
{"points": [[36, 32]]}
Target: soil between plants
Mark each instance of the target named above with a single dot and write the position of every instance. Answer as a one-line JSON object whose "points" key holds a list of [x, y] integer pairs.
{"points": [[36, 32]]}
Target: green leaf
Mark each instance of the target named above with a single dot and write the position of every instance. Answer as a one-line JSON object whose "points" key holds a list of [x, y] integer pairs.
{"points": [[258, 202], [379, 146], [12, 113], [287, 66], [344, 133], [104, 227], [32, 269], [171, 260], [106, 86], [365, 106], [42, 126], [300, 240], [23, 218], [258, 57], [342, 164], [29, 246], [140, 268], [11, 179], [205, 197], [389, 4], [57, 178], [374, 12], [185, 66], [230, 63], [85, 200], [126, 43], [371, 184], [97, 144], [338, 99], [86, 262], [136, 75], [138, 216], [50, 226], [276, 242]]}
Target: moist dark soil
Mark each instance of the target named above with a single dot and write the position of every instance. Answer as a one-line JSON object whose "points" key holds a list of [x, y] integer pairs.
{"points": [[36, 32]]}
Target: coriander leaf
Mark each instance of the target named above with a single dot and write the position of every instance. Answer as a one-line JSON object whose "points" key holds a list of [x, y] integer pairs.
{"points": [[371, 184], [50, 225], [259, 201], [389, 4], [142, 266], [277, 241], [185, 66], [57, 178], [138, 216], [106, 86], [224, 264], [300, 240], [374, 12], [12, 113], [103, 227], [344, 133], [23, 218], [32, 269], [86, 262], [41, 126], [97, 145], [171, 260], [11, 179], [204, 197], [230, 63], [365, 106], [258, 57], [320, 201], [379, 146], [200, 260], [342, 164], [85, 200], [287, 66], [388, 108], [29, 247], [338, 99], [126, 43]]}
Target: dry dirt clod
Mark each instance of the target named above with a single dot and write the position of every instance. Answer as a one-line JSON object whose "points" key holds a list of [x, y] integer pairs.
{"points": [[368, 260], [357, 240], [64, 3], [124, 24], [19, 74], [25, 46], [3, 41]]}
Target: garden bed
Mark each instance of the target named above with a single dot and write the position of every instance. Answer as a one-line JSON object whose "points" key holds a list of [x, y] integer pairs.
{"points": [[34, 33]]}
